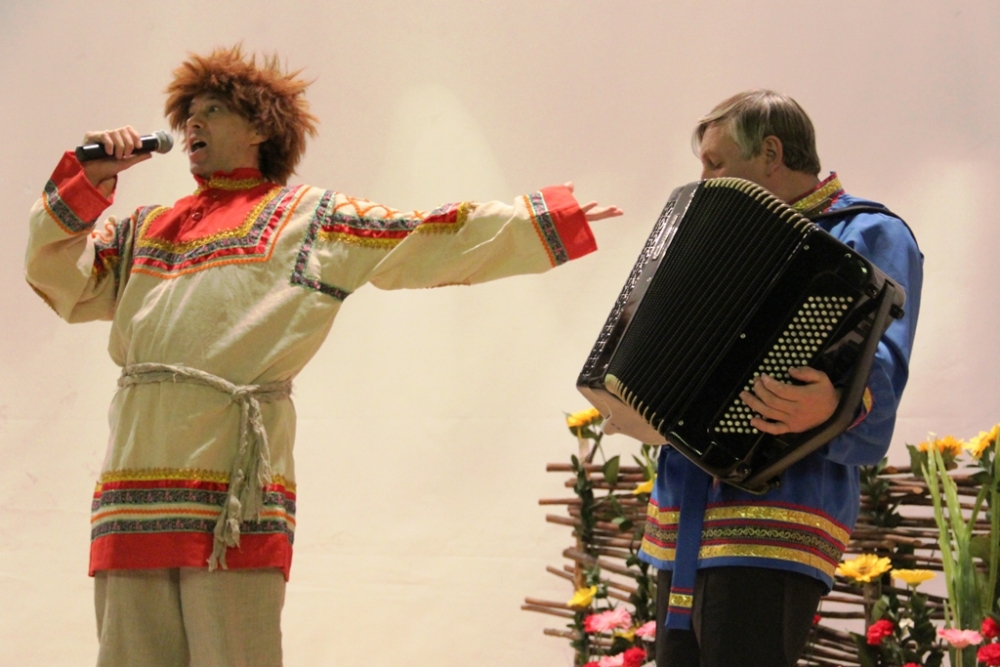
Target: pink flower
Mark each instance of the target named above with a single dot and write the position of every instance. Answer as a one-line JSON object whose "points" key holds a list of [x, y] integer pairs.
{"points": [[611, 661], [990, 628], [960, 638], [606, 621], [990, 654], [633, 657], [647, 631], [879, 630]]}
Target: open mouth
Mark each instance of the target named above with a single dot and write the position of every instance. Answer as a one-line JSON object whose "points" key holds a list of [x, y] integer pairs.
{"points": [[197, 145]]}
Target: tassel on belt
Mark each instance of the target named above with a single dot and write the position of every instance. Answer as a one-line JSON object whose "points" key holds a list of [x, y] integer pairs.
{"points": [[251, 471]]}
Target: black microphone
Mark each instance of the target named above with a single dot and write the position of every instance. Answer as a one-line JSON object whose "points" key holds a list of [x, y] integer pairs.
{"points": [[160, 141]]}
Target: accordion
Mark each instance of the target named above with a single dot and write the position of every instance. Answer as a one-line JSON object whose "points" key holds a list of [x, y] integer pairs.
{"points": [[732, 283]]}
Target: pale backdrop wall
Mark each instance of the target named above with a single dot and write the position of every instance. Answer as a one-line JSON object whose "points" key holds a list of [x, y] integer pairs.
{"points": [[428, 417]]}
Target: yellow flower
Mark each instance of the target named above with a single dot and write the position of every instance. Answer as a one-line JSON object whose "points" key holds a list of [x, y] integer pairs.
{"points": [[583, 418], [645, 487], [582, 597], [913, 577], [948, 445], [626, 634], [864, 568], [981, 442]]}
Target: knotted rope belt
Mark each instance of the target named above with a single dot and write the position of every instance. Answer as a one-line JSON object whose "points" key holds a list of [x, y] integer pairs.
{"points": [[251, 472]]}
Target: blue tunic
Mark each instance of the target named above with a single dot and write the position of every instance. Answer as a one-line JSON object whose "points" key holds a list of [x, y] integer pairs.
{"points": [[804, 524]]}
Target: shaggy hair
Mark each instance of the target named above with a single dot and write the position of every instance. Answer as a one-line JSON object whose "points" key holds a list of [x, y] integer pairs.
{"points": [[755, 114], [272, 100]]}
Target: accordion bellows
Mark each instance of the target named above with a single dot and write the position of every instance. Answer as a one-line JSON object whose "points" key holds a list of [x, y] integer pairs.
{"points": [[730, 284]]}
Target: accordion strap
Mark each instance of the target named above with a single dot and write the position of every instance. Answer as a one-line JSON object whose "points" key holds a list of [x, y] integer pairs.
{"points": [[854, 209]]}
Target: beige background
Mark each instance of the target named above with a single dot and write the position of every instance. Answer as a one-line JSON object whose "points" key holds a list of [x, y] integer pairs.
{"points": [[427, 419]]}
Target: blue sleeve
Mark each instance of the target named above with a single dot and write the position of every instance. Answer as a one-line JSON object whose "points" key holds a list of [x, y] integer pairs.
{"points": [[889, 244]]}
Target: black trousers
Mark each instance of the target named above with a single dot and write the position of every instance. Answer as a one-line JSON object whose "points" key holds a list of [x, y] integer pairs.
{"points": [[745, 616]]}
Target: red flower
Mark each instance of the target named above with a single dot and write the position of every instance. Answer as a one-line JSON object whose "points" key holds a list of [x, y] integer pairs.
{"points": [[879, 630], [912, 664], [634, 657], [990, 654], [817, 618], [990, 628], [591, 664]]}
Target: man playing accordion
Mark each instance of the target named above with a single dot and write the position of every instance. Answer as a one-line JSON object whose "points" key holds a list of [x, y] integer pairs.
{"points": [[740, 584]]}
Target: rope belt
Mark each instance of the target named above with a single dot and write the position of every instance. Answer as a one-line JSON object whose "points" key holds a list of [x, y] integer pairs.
{"points": [[251, 472]]}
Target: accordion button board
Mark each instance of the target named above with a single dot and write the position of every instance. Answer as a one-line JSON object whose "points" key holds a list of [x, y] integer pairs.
{"points": [[732, 283]]}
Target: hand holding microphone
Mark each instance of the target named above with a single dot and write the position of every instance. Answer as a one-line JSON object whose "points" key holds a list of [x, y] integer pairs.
{"points": [[105, 154], [159, 142]]}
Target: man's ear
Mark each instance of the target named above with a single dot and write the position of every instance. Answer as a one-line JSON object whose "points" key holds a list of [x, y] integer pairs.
{"points": [[258, 137], [773, 152]]}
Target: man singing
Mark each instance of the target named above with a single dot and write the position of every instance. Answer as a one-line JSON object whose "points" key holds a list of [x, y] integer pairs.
{"points": [[217, 303], [764, 561]]}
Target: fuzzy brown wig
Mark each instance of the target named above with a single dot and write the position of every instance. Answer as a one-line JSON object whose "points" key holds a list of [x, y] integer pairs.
{"points": [[272, 100]]}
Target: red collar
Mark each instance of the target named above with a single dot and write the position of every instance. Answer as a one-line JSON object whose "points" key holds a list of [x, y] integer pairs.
{"points": [[244, 178]]}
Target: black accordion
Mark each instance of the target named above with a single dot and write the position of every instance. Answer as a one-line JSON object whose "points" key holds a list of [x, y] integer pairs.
{"points": [[732, 283]]}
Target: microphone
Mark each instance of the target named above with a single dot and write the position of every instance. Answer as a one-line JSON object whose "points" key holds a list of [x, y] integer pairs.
{"points": [[160, 141]]}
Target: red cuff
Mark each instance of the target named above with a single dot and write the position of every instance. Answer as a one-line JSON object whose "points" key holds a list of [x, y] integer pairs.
{"points": [[561, 224], [76, 192]]}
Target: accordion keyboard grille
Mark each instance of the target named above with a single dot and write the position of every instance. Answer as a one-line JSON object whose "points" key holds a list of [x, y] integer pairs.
{"points": [[798, 345]]}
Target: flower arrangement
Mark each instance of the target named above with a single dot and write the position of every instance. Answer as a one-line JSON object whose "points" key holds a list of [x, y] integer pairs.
{"points": [[897, 545], [611, 614], [904, 626], [901, 631], [972, 587]]}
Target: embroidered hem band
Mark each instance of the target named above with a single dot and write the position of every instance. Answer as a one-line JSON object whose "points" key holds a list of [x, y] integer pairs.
{"points": [[251, 472]]}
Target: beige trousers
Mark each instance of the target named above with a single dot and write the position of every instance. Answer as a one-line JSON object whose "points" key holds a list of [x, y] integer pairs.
{"points": [[189, 617]]}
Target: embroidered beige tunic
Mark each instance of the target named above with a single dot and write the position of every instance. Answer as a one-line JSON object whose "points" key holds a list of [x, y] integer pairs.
{"points": [[242, 281]]}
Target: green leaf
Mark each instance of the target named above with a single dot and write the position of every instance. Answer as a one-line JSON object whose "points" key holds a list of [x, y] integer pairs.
{"points": [[979, 546], [610, 469], [982, 478], [918, 459], [867, 656], [880, 608]]}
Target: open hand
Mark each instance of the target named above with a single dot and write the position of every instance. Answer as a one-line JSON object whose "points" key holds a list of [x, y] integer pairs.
{"points": [[792, 408], [593, 212]]}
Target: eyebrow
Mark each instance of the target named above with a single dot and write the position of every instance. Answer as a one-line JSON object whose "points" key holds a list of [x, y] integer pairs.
{"points": [[204, 99]]}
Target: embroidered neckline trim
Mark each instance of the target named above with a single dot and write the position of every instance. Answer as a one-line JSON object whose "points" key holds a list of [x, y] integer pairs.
{"points": [[821, 198], [238, 179]]}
